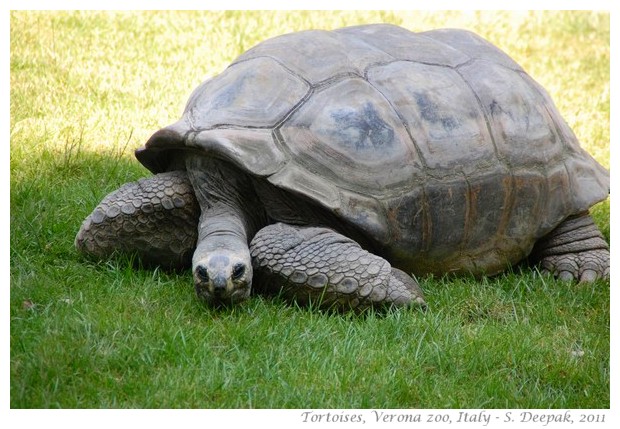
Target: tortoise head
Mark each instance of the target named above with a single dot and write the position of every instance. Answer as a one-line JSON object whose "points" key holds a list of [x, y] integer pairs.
{"points": [[223, 276]]}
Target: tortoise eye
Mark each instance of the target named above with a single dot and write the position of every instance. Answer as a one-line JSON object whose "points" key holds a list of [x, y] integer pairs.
{"points": [[202, 274], [238, 271]]}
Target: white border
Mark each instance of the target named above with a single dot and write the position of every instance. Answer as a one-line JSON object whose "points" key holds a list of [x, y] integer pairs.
{"points": [[312, 5], [260, 418]]}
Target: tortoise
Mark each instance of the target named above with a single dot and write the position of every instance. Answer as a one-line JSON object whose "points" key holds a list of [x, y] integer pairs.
{"points": [[336, 166]]}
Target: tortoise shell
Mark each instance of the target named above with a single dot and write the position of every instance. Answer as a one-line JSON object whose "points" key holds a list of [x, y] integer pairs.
{"points": [[437, 145]]}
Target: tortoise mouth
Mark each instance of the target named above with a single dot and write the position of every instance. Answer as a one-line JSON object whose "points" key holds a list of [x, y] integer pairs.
{"points": [[222, 298]]}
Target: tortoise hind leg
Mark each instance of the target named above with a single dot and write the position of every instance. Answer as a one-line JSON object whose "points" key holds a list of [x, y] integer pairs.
{"points": [[155, 218], [575, 250], [318, 265]]}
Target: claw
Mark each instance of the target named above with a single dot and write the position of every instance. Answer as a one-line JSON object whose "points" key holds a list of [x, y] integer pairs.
{"points": [[419, 303], [566, 276], [588, 276]]}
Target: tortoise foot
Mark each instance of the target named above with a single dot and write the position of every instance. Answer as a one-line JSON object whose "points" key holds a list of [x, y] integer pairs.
{"points": [[586, 266], [574, 251]]}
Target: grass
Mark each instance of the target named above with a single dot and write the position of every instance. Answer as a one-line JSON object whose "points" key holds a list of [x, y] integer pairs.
{"points": [[87, 88]]}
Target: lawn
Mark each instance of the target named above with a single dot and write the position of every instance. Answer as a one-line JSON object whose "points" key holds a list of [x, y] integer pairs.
{"points": [[87, 88]]}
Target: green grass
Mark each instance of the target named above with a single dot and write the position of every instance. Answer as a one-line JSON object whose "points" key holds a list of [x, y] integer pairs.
{"points": [[87, 88]]}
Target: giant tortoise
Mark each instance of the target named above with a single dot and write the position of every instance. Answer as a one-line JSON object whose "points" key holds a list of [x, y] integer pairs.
{"points": [[330, 166]]}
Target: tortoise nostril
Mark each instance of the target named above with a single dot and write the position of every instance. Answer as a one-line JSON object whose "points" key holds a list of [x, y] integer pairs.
{"points": [[202, 274], [238, 271], [219, 284]]}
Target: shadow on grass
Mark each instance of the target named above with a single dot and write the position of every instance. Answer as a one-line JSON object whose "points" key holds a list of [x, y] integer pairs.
{"points": [[51, 195]]}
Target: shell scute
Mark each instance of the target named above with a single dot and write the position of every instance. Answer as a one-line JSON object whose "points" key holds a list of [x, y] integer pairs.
{"points": [[441, 112], [347, 127], [523, 131], [256, 93]]}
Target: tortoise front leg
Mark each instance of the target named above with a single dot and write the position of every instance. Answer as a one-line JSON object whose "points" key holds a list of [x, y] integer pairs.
{"points": [[318, 265], [154, 218], [575, 250]]}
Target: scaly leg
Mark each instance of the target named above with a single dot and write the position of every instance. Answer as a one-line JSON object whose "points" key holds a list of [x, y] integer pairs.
{"points": [[575, 250], [154, 218], [311, 264]]}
